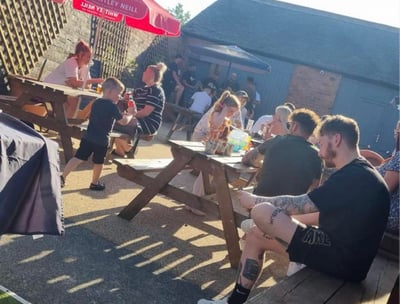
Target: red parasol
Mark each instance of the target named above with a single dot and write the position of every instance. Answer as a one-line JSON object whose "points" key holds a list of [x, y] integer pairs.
{"points": [[145, 15]]}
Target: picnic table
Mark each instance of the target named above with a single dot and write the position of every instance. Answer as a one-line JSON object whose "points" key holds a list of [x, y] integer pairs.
{"points": [[48, 100], [188, 154]]}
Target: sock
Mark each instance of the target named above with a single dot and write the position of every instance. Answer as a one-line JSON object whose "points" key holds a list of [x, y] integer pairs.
{"points": [[239, 295]]}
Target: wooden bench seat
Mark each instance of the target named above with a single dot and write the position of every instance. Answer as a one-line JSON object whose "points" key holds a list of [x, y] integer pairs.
{"points": [[311, 287], [145, 165], [185, 120]]}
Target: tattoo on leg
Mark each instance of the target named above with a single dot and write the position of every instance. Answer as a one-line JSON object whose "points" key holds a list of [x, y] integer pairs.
{"points": [[274, 215], [251, 270]]}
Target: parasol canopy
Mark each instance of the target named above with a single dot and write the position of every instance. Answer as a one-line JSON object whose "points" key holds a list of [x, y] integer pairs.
{"points": [[231, 56], [145, 15]]}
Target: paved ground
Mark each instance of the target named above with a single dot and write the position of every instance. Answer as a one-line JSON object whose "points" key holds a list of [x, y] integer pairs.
{"points": [[164, 255]]}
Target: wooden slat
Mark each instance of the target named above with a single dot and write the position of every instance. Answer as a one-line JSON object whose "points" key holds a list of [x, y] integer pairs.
{"points": [[144, 165], [311, 287]]}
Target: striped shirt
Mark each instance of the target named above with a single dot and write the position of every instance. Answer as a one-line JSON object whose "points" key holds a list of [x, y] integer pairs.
{"points": [[152, 96]]}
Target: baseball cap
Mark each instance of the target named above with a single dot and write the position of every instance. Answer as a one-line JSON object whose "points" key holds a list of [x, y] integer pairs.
{"points": [[242, 93]]}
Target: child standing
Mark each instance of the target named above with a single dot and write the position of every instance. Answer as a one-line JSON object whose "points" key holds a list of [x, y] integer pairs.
{"points": [[95, 141]]}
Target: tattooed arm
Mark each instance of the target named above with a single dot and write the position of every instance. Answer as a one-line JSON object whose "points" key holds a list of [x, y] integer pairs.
{"points": [[299, 204]]}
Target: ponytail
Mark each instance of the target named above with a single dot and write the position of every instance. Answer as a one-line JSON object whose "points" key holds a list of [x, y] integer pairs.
{"points": [[158, 71]]}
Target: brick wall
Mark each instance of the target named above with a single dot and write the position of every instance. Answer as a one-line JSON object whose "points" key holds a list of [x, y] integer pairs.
{"points": [[313, 89]]}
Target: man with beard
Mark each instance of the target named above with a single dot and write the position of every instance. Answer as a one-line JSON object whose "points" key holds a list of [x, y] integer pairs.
{"points": [[353, 205]]}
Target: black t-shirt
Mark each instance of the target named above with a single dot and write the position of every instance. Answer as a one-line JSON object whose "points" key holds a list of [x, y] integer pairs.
{"points": [[152, 96], [189, 77], [290, 165], [102, 117], [354, 207], [168, 77]]}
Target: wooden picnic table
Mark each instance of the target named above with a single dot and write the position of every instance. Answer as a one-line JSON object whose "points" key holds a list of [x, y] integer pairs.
{"points": [[188, 154], [50, 97]]}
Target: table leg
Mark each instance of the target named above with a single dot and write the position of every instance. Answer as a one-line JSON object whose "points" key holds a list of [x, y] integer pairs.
{"points": [[174, 125], [227, 216], [160, 181], [67, 146]]}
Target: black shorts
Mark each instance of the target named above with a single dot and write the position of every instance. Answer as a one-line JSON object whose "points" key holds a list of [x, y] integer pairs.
{"points": [[86, 148], [313, 247]]}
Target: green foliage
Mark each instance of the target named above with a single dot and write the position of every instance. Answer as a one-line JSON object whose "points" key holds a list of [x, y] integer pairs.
{"points": [[6, 298], [179, 13]]}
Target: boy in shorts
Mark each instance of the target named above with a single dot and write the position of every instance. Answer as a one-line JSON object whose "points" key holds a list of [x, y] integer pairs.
{"points": [[95, 141]]}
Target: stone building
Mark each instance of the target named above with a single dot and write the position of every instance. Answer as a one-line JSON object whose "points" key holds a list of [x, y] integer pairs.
{"points": [[324, 61]]}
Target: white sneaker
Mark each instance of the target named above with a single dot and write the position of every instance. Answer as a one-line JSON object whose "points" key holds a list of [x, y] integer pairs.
{"points": [[294, 267], [204, 301], [246, 225]]}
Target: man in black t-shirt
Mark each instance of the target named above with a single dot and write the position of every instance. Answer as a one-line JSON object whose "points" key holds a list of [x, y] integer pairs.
{"points": [[291, 164], [353, 205], [191, 84], [172, 79]]}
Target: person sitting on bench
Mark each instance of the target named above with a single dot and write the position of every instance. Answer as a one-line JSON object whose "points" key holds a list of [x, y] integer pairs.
{"points": [[150, 101], [353, 205], [201, 101], [74, 73]]}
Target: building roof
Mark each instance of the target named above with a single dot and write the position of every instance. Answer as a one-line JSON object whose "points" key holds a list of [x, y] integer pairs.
{"points": [[287, 32]]}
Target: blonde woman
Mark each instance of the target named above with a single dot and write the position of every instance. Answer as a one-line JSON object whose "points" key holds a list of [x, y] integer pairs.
{"points": [[279, 123], [150, 101], [212, 125], [224, 108]]}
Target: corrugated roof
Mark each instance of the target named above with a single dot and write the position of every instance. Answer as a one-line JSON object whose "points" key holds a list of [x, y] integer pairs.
{"points": [[303, 35]]}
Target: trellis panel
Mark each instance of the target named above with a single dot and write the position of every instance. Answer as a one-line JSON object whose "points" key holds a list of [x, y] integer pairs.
{"points": [[112, 46], [27, 28]]}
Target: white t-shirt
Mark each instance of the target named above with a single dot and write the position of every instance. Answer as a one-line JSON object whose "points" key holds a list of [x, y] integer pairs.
{"points": [[69, 68], [201, 101], [265, 119], [201, 130]]}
